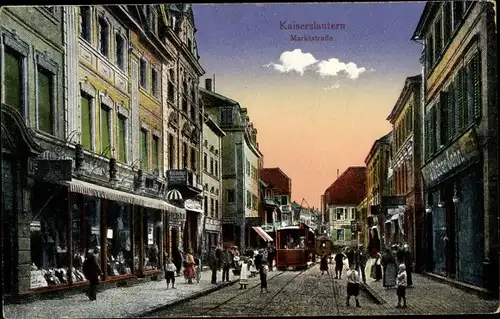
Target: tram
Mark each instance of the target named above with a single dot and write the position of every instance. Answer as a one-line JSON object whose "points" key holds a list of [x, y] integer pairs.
{"points": [[324, 244], [295, 247]]}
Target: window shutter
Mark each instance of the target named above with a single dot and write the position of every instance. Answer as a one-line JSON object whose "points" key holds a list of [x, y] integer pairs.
{"points": [[459, 90], [45, 108], [432, 126], [437, 122], [450, 101], [86, 120], [444, 118], [477, 85]]}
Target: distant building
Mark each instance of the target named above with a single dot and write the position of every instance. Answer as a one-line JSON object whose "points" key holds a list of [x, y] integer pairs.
{"points": [[342, 199], [281, 185]]}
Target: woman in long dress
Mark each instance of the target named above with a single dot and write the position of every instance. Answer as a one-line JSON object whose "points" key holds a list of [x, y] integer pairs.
{"points": [[376, 272], [189, 271], [244, 273], [324, 264], [389, 265]]}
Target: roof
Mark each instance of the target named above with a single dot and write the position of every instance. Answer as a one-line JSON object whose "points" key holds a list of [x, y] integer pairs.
{"points": [[409, 84], [386, 139], [213, 126], [277, 180], [212, 99], [349, 188], [429, 10]]}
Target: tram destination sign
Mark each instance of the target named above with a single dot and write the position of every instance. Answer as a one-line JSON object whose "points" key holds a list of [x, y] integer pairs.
{"points": [[457, 155]]}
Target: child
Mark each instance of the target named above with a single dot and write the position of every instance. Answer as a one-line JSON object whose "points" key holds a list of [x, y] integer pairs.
{"points": [[352, 284], [401, 283], [170, 271], [243, 273], [263, 276]]}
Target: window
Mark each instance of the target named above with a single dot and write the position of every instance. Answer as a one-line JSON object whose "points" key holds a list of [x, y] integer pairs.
{"points": [[154, 151], [447, 22], [105, 131], [184, 104], [190, 45], [212, 207], [206, 204], [216, 166], [155, 87], [339, 213], [460, 100], [119, 237], [248, 168], [13, 80], [353, 213], [284, 200], [143, 65], [443, 118], [103, 37], [153, 21], [192, 111], [85, 23], [144, 150], [45, 101], [438, 45], [205, 161], [458, 12], [152, 238], [227, 115], [217, 209], [121, 138], [171, 152], [230, 196], [429, 47], [86, 105], [170, 87], [120, 51], [450, 103], [211, 166], [249, 200], [193, 159], [340, 234], [184, 155]]}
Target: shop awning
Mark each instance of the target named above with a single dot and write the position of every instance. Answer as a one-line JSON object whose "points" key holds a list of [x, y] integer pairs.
{"points": [[262, 233], [81, 187], [193, 206]]}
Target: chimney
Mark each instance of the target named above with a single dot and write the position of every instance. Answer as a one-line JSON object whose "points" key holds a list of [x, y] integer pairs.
{"points": [[208, 84], [337, 173]]}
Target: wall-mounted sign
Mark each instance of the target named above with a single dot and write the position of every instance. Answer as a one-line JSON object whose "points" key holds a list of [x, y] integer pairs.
{"points": [[53, 170], [177, 177], [460, 153]]}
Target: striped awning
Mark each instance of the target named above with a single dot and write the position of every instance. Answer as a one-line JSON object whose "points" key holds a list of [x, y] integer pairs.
{"points": [[85, 188], [174, 195], [262, 233]]}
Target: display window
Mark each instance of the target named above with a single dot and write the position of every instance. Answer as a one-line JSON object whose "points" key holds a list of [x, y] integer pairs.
{"points": [[49, 237], [119, 239], [152, 235], [86, 231]]}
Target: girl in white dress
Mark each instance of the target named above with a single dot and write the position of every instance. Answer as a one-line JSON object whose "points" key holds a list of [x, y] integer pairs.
{"points": [[244, 273]]}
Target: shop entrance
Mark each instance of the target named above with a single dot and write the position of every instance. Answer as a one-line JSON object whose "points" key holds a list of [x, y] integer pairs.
{"points": [[175, 239], [450, 244], [8, 212]]}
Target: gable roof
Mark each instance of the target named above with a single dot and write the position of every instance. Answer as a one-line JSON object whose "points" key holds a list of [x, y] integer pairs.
{"points": [[410, 83], [386, 139], [277, 180], [349, 188]]}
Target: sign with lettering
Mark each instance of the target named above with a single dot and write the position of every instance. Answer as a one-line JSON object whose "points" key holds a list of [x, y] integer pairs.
{"points": [[455, 156], [53, 170], [177, 177]]}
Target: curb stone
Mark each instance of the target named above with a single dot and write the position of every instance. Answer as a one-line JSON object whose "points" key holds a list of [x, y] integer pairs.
{"points": [[183, 300]]}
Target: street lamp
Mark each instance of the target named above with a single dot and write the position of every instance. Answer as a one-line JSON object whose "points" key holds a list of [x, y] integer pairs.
{"points": [[428, 209], [441, 204], [456, 199]]}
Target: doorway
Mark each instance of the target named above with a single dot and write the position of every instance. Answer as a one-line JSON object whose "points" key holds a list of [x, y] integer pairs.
{"points": [[175, 240], [451, 265]]}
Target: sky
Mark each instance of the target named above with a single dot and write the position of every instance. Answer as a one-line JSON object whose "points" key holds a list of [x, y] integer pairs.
{"points": [[319, 97]]}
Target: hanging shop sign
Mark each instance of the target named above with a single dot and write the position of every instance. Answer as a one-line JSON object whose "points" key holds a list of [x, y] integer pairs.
{"points": [[459, 154]]}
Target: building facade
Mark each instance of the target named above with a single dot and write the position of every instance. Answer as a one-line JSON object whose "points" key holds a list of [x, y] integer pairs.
{"points": [[405, 162], [377, 189], [212, 179], [362, 220], [460, 119], [342, 199], [240, 161], [269, 210], [281, 185]]}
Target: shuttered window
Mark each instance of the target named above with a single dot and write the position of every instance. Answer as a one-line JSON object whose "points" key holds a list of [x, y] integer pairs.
{"points": [[86, 116], [447, 21], [451, 110], [443, 118], [13, 80], [433, 126], [459, 105], [476, 62], [144, 149], [428, 132], [45, 101], [469, 80], [438, 46], [121, 138], [105, 133]]}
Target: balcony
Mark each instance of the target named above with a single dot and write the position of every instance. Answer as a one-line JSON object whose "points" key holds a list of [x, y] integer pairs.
{"points": [[184, 180]]}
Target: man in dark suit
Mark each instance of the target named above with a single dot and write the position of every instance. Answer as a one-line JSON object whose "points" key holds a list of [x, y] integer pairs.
{"points": [[213, 263]]}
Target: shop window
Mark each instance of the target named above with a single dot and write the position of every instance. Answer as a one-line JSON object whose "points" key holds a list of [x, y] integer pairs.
{"points": [[105, 131], [13, 79], [86, 132], [45, 101], [119, 239], [154, 151], [122, 149], [152, 239], [49, 237]]}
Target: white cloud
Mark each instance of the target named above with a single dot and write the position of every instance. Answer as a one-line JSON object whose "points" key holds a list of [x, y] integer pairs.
{"points": [[334, 87], [333, 66], [295, 60]]}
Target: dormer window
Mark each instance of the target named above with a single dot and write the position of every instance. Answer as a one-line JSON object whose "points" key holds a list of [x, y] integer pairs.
{"points": [[103, 37]]}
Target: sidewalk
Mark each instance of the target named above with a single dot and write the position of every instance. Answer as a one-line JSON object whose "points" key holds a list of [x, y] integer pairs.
{"points": [[431, 297], [117, 302]]}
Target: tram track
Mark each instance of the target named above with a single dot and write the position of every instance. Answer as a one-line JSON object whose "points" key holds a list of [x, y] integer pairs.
{"points": [[335, 287]]}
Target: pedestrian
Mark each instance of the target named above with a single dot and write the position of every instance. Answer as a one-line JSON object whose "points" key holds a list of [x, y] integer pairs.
{"points": [[213, 264], [271, 253], [323, 266], [408, 264], [389, 269], [376, 271], [339, 264], [170, 271], [226, 262], [243, 273], [361, 257], [353, 285], [177, 260], [190, 271], [259, 259], [401, 283], [92, 271], [350, 256], [263, 276]]}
